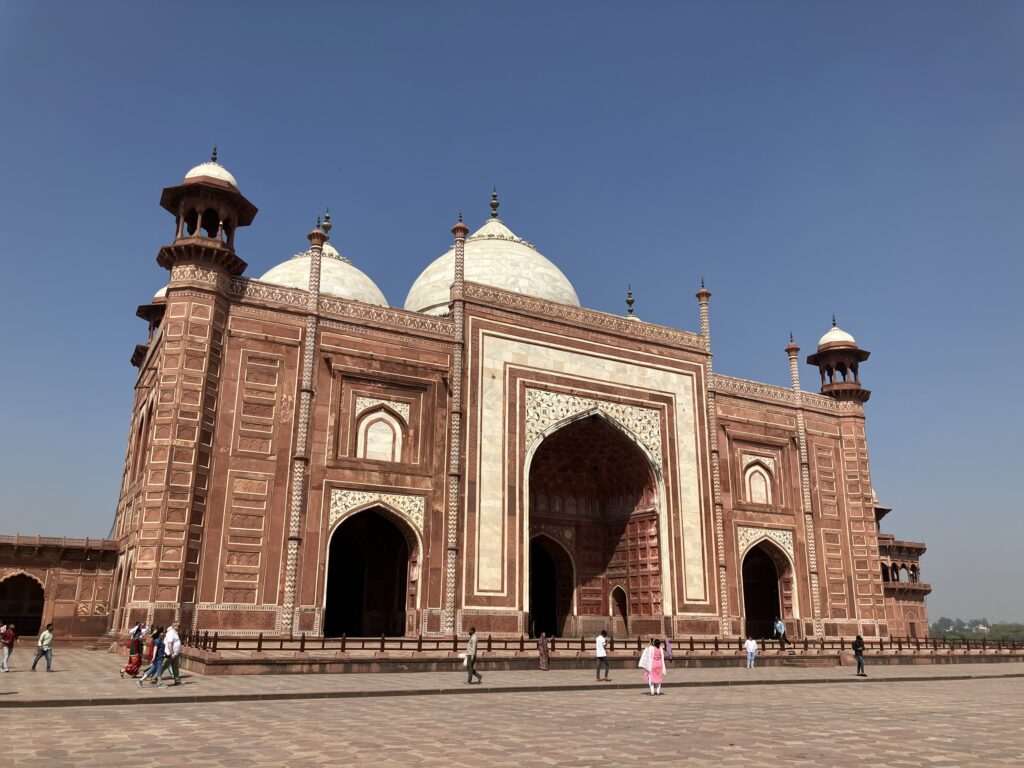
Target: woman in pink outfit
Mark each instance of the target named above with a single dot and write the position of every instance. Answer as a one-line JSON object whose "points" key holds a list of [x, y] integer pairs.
{"points": [[652, 662]]}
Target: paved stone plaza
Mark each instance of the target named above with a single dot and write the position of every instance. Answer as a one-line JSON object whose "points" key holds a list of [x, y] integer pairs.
{"points": [[829, 720]]}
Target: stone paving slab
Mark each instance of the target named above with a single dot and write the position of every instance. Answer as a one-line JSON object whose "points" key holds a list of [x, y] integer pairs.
{"points": [[964, 722], [90, 678]]}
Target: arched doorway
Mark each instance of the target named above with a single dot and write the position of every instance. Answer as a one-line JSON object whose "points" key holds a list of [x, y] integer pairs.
{"points": [[21, 603], [620, 612], [761, 604], [551, 588], [368, 577], [593, 488]]}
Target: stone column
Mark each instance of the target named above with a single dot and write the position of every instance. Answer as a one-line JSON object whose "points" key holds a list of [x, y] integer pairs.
{"points": [[703, 298], [792, 350], [300, 457], [460, 231]]}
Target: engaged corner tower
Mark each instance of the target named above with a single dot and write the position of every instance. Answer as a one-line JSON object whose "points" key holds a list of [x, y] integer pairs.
{"points": [[208, 208], [838, 359]]}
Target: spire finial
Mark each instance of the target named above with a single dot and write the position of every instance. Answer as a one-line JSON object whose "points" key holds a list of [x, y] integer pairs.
{"points": [[460, 215], [629, 299], [833, 319], [318, 222], [494, 203], [702, 281], [790, 337], [213, 155], [327, 220]]}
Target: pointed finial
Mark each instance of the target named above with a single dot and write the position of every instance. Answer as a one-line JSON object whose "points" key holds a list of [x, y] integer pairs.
{"points": [[833, 319], [790, 337], [460, 216], [213, 155], [327, 220], [460, 230], [629, 300], [494, 203], [702, 281], [318, 222]]}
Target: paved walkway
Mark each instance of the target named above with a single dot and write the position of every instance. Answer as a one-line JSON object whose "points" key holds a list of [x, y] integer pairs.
{"points": [[89, 678], [970, 722]]}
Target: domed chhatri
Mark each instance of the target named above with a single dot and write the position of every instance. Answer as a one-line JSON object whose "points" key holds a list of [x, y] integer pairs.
{"points": [[838, 359], [337, 277], [211, 170], [494, 256]]}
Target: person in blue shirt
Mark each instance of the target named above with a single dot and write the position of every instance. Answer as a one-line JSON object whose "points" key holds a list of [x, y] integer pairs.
{"points": [[155, 669]]}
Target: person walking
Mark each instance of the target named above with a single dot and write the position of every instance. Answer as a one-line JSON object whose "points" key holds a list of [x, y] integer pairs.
{"points": [[751, 648], [471, 657], [172, 651], [667, 648], [44, 647], [780, 632], [858, 654], [135, 639], [8, 640], [156, 668], [542, 652], [652, 662], [601, 654]]}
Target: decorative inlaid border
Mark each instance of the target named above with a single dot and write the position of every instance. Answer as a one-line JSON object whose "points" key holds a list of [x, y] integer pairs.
{"points": [[543, 409], [748, 537], [365, 403], [750, 458], [344, 501]]}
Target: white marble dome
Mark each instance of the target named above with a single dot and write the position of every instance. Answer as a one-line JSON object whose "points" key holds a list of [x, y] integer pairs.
{"points": [[835, 336], [213, 170], [337, 277], [494, 256]]}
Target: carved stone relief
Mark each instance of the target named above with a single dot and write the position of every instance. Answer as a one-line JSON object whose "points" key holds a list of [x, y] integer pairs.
{"points": [[748, 537], [365, 403], [344, 501]]}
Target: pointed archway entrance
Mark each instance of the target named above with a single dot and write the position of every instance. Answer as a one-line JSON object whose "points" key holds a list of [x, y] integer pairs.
{"points": [[593, 490], [21, 603], [761, 594], [551, 588], [370, 569]]}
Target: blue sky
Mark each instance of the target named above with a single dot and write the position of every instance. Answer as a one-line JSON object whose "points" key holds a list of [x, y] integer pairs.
{"points": [[805, 158]]}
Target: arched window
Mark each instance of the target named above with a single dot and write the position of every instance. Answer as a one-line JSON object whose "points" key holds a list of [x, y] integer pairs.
{"points": [[758, 484], [379, 437], [885, 572]]}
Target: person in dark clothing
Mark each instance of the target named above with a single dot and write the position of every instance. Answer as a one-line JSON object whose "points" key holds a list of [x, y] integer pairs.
{"points": [[858, 653]]}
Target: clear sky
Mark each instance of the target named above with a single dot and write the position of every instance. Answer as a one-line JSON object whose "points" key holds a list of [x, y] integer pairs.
{"points": [[864, 158]]}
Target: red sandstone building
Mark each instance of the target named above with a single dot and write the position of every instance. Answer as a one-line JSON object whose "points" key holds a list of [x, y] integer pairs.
{"points": [[305, 458]]}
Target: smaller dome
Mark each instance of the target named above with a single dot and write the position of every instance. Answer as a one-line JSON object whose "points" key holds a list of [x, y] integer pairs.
{"points": [[337, 277], [835, 337], [212, 170], [161, 294]]}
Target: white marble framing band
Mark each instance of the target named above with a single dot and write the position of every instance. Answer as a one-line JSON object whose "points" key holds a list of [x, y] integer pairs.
{"points": [[365, 403], [344, 501], [490, 506], [750, 458]]}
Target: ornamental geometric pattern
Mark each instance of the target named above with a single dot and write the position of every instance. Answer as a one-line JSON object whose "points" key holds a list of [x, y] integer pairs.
{"points": [[546, 408], [732, 385], [365, 403], [343, 501], [749, 458], [748, 537]]}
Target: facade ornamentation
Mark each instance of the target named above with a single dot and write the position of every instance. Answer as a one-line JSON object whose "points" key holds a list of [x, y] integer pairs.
{"points": [[748, 537], [365, 403], [756, 390], [748, 458], [588, 317], [543, 409], [344, 501], [194, 273]]}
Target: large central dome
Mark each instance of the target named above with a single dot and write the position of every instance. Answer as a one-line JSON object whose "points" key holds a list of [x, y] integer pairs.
{"points": [[495, 256]]}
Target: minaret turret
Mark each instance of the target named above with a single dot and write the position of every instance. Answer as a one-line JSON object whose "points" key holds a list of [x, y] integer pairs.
{"points": [[208, 207], [838, 359]]}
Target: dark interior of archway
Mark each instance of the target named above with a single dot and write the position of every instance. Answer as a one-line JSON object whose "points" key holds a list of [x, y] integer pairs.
{"points": [[760, 593], [551, 587], [592, 477], [367, 578], [21, 604]]}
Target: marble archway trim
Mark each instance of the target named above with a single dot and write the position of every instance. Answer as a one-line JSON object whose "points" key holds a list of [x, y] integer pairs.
{"points": [[345, 501], [748, 537]]}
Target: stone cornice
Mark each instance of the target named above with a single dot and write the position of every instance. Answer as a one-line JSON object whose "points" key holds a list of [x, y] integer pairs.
{"points": [[602, 321], [756, 390]]}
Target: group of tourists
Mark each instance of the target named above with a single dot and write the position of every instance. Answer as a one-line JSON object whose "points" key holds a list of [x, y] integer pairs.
{"points": [[44, 646], [164, 654]]}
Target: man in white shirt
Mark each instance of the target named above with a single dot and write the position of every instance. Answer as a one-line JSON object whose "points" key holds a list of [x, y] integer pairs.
{"points": [[602, 654], [172, 646], [751, 648]]}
